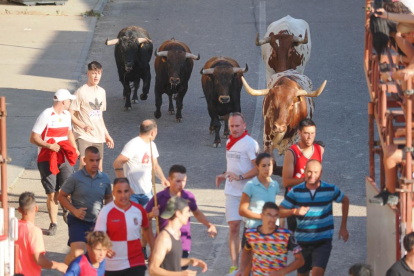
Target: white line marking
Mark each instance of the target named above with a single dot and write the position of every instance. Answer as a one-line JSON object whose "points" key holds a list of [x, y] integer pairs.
{"points": [[257, 120]]}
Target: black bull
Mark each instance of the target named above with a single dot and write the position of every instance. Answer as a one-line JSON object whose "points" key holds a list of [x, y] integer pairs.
{"points": [[221, 82], [133, 51], [173, 67]]}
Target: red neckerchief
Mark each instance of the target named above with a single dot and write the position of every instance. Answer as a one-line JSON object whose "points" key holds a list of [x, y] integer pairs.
{"points": [[233, 141]]}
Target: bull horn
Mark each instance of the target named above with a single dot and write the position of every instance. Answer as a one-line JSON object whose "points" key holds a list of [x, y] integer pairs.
{"points": [[315, 93], [240, 70], [252, 91], [112, 41], [208, 71], [144, 40], [160, 54], [190, 55], [300, 40], [261, 41]]}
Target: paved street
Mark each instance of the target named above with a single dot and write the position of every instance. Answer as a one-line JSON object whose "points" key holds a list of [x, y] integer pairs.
{"points": [[228, 28]]}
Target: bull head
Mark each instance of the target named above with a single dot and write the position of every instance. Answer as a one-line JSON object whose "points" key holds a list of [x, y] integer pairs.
{"points": [[299, 92], [139, 41], [236, 70], [165, 54]]}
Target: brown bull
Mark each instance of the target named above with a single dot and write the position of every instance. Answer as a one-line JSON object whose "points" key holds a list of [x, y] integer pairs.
{"points": [[285, 104]]}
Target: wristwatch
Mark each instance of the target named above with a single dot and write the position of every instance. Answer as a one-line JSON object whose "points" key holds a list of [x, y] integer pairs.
{"points": [[241, 177]]}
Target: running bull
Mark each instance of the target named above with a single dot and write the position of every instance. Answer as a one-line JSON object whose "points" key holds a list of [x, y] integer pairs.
{"points": [[173, 67], [221, 82], [286, 45], [286, 103], [133, 51]]}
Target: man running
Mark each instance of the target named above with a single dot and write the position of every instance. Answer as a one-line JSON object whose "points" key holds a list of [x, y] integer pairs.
{"points": [[311, 203], [166, 258], [178, 179], [241, 155], [87, 114], [52, 133], [296, 158], [267, 247], [125, 222], [88, 189]]}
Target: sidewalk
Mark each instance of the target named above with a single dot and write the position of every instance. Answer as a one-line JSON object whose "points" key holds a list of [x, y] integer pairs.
{"points": [[42, 48]]}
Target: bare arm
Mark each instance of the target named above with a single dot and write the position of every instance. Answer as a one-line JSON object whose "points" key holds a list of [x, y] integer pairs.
{"points": [[161, 247], [44, 262], [343, 232], [288, 169], [293, 266], [284, 213], [211, 229], [108, 198], [245, 262], [250, 174], [244, 208], [160, 174], [71, 139], [119, 165], [37, 140], [148, 235], [63, 199], [78, 122]]}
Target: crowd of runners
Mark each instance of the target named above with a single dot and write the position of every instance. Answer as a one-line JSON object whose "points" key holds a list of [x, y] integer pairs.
{"points": [[110, 222]]}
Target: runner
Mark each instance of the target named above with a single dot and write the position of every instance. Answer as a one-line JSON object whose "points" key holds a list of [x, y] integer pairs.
{"points": [[125, 222], [296, 158], [52, 133], [166, 259], [267, 247], [93, 262], [241, 155], [178, 179], [311, 202]]}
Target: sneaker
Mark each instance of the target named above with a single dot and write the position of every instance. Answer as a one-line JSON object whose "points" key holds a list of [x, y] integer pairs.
{"points": [[385, 197], [51, 231], [232, 269], [65, 215]]}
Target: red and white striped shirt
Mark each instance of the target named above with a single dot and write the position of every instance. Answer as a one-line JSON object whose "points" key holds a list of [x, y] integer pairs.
{"points": [[124, 229], [49, 125]]}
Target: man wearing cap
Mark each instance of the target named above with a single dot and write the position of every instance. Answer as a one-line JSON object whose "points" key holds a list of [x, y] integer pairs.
{"points": [[58, 152], [166, 257]]}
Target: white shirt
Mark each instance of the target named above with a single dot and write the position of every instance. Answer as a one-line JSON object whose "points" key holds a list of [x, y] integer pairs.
{"points": [[139, 166], [239, 161]]}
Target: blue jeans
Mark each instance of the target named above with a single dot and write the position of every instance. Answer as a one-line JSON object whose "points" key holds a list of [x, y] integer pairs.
{"points": [[142, 199]]}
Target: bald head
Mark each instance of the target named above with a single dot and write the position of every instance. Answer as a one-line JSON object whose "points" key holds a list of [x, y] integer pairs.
{"points": [[147, 126], [314, 162], [313, 173]]}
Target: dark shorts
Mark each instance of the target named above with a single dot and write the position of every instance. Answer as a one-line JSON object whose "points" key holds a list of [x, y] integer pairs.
{"points": [[83, 144], [52, 183], [316, 254], [133, 271], [186, 255], [78, 229]]}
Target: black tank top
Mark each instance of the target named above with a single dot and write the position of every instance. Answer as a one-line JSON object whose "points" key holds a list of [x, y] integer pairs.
{"points": [[172, 260]]}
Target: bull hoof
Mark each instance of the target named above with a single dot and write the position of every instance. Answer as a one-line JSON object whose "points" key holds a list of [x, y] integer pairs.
{"points": [[143, 97], [216, 145], [127, 108], [135, 101], [157, 115], [178, 120], [171, 112]]}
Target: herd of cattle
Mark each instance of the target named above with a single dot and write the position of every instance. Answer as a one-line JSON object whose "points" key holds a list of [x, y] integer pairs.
{"points": [[288, 98]]}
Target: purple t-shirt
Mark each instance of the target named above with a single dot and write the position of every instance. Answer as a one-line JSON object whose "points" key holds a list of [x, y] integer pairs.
{"points": [[162, 199]]}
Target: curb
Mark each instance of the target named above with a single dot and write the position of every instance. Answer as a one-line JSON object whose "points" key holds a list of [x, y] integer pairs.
{"points": [[99, 6]]}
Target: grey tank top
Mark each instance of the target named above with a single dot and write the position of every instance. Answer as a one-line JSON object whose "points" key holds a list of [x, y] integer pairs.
{"points": [[172, 260]]}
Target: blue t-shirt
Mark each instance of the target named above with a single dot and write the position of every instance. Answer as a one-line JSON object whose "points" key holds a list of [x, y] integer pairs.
{"points": [[259, 195], [81, 266], [318, 223]]}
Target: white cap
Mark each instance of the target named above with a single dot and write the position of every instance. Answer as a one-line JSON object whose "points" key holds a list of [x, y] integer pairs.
{"points": [[63, 94]]}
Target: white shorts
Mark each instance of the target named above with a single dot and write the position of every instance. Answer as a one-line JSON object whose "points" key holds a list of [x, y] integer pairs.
{"points": [[232, 208]]}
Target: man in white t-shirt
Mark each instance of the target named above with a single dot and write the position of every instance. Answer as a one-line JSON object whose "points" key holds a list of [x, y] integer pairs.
{"points": [[87, 115], [52, 133], [241, 152]]}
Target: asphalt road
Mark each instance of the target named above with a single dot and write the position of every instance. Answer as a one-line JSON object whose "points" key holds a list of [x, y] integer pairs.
{"points": [[228, 28]]}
